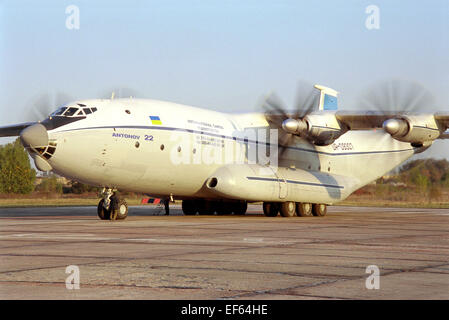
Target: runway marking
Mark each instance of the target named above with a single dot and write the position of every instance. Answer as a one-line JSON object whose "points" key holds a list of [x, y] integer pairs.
{"points": [[57, 237], [22, 222], [93, 237], [238, 241]]}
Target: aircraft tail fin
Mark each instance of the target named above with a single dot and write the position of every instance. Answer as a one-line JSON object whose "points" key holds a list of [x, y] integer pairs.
{"points": [[328, 98]]}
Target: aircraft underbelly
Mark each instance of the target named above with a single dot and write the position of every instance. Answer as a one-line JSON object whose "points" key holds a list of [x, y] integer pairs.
{"points": [[261, 183]]}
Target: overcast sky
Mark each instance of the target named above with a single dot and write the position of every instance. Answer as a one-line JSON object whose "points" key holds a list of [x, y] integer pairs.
{"points": [[222, 55]]}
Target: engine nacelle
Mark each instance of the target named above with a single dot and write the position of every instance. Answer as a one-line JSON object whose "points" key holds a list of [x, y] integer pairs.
{"points": [[320, 129], [416, 129]]}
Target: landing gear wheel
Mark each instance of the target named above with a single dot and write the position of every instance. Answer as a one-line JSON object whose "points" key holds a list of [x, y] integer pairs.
{"points": [[288, 209], [224, 208], [319, 210], [240, 208], [304, 209], [103, 214], [270, 209], [121, 210], [206, 208], [113, 207], [189, 207]]}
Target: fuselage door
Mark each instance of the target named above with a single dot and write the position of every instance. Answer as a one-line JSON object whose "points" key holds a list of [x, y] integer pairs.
{"points": [[283, 188], [282, 184]]}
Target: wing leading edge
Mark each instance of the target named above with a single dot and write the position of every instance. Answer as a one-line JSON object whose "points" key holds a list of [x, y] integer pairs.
{"points": [[14, 130]]}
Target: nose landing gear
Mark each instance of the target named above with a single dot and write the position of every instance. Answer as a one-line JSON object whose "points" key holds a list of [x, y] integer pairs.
{"points": [[112, 207]]}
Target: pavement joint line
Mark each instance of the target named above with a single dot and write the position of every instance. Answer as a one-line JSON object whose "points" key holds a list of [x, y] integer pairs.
{"points": [[102, 284], [116, 259], [97, 285], [53, 267], [113, 260], [249, 248], [354, 241], [331, 256], [277, 291]]}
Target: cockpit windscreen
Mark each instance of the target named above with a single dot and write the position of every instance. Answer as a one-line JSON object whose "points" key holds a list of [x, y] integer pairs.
{"points": [[73, 111]]}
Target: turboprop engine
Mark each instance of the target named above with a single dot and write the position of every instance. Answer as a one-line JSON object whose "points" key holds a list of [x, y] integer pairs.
{"points": [[419, 130], [320, 129]]}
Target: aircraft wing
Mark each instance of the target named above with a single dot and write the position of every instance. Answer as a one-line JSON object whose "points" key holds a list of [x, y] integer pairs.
{"points": [[363, 120], [442, 118], [444, 135], [372, 120], [14, 130]]}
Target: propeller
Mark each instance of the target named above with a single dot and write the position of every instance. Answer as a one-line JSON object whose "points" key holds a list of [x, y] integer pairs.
{"points": [[393, 98], [121, 92], [396, 96], [45, 104], [278, 116]]}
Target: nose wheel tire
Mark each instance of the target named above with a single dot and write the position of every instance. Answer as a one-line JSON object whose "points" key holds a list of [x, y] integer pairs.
{"points": [[288, 209], [304, 209], [103, 214], [118, 209], [121, 210], [319, 210]]}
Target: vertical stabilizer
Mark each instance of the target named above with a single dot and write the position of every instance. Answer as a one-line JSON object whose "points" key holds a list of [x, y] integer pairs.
{"points": [[328, 98]]}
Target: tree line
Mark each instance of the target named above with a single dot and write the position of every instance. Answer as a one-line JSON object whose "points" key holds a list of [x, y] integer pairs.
{"points": [[18, 177]]}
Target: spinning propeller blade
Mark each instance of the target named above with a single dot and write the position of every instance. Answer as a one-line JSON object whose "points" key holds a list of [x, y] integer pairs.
{"points": [[306, 101]]}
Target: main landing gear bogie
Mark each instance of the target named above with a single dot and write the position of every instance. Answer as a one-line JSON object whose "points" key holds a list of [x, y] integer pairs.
{"points": [[112, 207], [291, 209], [210, 207]]}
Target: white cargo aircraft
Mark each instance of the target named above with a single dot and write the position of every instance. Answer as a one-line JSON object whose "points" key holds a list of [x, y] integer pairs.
{"points": [[216, 162]]}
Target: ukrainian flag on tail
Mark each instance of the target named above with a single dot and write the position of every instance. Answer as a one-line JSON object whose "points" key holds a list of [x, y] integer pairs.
{"points": [[155, 120], [328, 98]]}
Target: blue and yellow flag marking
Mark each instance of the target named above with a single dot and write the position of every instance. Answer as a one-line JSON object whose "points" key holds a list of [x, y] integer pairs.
{"points": [[155, 120], [330, 102]]}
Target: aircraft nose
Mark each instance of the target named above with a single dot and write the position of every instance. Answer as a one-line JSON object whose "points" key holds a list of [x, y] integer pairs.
{"points": [[35, 136]]}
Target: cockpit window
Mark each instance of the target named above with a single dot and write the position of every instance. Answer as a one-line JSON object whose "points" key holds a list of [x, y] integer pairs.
{"points": [[59, 112], [70, 112], [73, 111]]}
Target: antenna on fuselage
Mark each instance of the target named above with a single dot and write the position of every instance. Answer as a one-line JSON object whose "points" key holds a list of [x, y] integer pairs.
{"points": [[112, 95]]}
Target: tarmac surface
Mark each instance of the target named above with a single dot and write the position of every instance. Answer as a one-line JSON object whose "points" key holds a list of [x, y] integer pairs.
{"points": [[152, 256]]}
